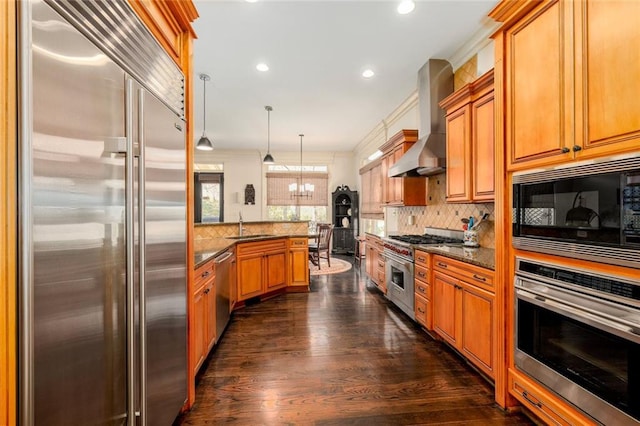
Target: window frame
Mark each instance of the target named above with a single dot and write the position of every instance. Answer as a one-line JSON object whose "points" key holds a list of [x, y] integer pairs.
{"points": [[206, 177]]}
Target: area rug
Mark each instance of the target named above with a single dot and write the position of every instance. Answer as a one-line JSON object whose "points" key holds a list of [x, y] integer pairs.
{"points": [[337, 266]]}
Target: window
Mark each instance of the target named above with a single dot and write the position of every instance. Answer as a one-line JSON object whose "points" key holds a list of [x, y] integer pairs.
{"points": [[285, 203], [209, 197]]}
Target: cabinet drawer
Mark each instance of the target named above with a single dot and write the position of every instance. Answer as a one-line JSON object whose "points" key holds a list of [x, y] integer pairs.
{"points": [[298, 242], [262, 246], [423, 289], [421, 309], [423, 259], [422, 274], [481, 277], [203, 275], [535, 399]]}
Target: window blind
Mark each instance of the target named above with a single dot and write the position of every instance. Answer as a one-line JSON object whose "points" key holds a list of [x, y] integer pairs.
{"points": [[278, 193]]}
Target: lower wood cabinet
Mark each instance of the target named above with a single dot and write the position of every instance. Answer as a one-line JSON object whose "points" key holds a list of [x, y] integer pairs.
{"points": [[463, 310], [204, 313], [423, 296], [298, 262], [261, 267], [375, 262]]}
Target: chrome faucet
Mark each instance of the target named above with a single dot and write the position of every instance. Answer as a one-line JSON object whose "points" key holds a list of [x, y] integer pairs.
{"points": [[240, 227]]}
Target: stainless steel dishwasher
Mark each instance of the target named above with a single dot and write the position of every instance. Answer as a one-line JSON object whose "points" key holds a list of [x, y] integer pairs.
{"points": [[224, 279]]}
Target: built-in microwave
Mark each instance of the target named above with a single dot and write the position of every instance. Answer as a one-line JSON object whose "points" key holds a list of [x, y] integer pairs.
{"points": [[587, 210]]}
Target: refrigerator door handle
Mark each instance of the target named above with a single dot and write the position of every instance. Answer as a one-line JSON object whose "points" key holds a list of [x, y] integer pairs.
{"points": [[130, 249], [142, 309]]}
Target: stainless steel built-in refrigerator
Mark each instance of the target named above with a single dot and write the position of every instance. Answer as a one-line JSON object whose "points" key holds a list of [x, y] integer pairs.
{"points": [[103, 251]]}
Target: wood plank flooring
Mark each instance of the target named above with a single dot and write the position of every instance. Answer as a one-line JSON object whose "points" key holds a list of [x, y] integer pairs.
{"points": [[339, 355]]}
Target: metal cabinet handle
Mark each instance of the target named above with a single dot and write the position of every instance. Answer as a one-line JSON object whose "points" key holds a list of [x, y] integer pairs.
{"points": [[442, 265], [422, 289], [422, 259], [479, 278], [457, 287], [422, 274], [205, 274], [525, 395], [577, 148], [421, 311], [565, 150]]}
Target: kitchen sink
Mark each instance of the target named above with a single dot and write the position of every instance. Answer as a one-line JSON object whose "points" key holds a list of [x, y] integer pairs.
{"points": [[247, 237]]}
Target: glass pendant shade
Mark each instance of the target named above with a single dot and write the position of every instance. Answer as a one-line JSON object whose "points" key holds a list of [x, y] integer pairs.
{"points": [[204, 144], [268, 159]]}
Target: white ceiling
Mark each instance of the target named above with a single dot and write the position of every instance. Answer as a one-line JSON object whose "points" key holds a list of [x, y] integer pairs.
{"points": [[316, 51]]}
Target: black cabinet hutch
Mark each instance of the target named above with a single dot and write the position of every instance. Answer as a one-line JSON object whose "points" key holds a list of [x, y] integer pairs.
{"points": [[345, 219]]}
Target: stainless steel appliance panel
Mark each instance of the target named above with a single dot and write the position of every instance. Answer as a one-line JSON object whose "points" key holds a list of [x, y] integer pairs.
{"points": [[163, 142], [224, 280], [400, 283], [77, 201]]}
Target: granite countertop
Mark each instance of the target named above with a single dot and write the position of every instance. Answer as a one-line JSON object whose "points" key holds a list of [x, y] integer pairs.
{"points": [[209, 248], [483, 257]]}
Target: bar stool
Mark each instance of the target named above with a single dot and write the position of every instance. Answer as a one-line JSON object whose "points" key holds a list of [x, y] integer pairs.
{"points": [[359, 253]]}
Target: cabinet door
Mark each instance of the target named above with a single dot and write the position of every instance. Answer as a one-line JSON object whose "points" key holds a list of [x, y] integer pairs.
{"points": [[376, 189], [482, 141], [607, 70], [398, 182], [275, 271], [445, 308], [459, 154], [477, 332], [299, 266], [365, 179], [387, 182], [371, 260], [539, 101], [200, 327], [250, 276], [210, 297]]}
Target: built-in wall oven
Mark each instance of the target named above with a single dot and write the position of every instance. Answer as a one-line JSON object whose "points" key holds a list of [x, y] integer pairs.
{"points": [[578, 334], [588, 210]]}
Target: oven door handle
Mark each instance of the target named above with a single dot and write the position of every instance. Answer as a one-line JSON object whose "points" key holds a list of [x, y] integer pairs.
{"points": [[404, 263], [599, 322]]}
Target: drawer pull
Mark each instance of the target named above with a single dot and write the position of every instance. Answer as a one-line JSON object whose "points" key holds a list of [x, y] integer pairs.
{"points": [[422, 289], [205, 274], [442, 265], [525, 395], [421, 259], [420, 310], [457, 287], [479, 278], [422, 274]]}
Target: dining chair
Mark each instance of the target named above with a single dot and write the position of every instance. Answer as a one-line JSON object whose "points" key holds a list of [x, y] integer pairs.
{"points": [[321, 244]]}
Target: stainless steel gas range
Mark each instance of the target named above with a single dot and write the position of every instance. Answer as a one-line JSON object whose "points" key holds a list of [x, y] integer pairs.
{"points": [[399, 271]]}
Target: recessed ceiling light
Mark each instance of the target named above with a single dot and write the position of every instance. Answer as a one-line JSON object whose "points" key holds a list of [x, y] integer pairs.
{"points": [[368, 73], [406, 6], [262, 67]]}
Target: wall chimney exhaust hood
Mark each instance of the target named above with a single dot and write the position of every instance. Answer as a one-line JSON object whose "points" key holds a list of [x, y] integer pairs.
{"points": [[427, 156]]}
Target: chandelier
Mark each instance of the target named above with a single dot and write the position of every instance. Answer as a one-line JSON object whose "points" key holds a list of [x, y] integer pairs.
{"points": [[299, 189]]}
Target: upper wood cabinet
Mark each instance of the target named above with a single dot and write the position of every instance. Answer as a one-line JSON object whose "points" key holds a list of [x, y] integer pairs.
{"points": [[401, 191], [470, 141], [570, 81]]}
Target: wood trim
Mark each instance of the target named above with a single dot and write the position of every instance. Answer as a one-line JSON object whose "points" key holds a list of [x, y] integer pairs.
{"points": [[8, 219], [370, 166], [187, 67], [503, 325], [400, 137], [509, 11]]}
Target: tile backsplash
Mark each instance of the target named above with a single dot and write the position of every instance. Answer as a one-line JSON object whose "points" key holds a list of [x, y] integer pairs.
{"points": [[222, 230], [439, 214]]}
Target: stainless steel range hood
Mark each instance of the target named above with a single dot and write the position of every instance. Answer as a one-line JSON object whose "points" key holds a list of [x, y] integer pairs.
{"points": [[428, 155]]}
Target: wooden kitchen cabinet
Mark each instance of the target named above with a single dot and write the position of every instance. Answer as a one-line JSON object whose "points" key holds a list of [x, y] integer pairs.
{"points": [[570, 85], [470, 141], [375, 262], [204, 313], [401, 191], [423, 296], [298, 262], [463, 310], [261, 267]]}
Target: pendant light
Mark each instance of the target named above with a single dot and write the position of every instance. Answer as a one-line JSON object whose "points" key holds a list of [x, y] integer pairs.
{"points": [[268, 159], [204, 143]]}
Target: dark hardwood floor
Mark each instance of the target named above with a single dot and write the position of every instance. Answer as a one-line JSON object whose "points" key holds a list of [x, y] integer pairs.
{"points": [[339, 355]]}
